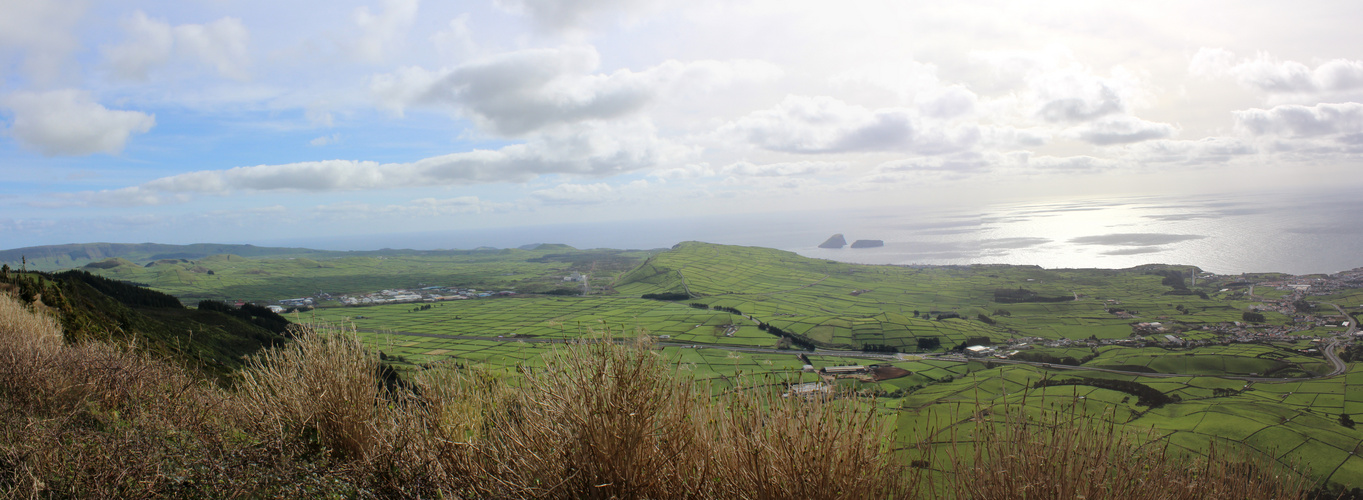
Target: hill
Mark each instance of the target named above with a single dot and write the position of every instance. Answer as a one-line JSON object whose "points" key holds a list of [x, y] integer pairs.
{"points": [[57, 257], [842, 305], [231, 277], [92, 308]]}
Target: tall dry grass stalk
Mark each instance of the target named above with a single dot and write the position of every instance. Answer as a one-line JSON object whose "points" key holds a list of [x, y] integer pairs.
{"points": [[320, 388], [94, 419], [606, 420], [1065, 453], [823, 446]]}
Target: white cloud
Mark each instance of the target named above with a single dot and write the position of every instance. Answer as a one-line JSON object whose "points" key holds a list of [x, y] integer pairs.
{"points": [[40, 36], [421, 207], [1292, 120], [1121, 129], [149, 46], [318, 113], [1010, 138], [524, 91], [747, 169], [450, 206], [947, 102], [380, 34], [821, 124], [71, 123], [576, 194], [457, 41], [1206, 150], [1267, 74], [892, 174], [325, 140], [589, 152], [221, 45], [967, 163], [1053, 87], [904, 79], [1081, 163], [685, 172], [567, 16], [1075, 105]]}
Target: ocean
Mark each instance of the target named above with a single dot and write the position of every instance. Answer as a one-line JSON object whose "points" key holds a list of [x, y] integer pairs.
{"points": [[1296, 233]]}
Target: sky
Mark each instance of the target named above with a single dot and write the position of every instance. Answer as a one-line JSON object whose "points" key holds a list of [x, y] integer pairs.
{"points": [[246, 121]]}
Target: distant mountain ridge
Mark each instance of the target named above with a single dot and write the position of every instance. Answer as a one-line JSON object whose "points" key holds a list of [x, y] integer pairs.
{"points": [[55, 257], [77, 255]]}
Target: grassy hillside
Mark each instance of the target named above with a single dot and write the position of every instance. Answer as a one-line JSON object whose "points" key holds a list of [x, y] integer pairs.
{"points": [[848, 305], [235, 277], [91, 308]]}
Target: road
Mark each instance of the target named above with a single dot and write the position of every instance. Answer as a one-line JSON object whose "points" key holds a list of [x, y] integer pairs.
{"points": [[1353, 325], [1333, 346]]}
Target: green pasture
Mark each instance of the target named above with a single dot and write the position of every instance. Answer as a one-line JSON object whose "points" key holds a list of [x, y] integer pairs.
{"points": [[848, 305], [554, 318], [1234, 359], [230, 277], [1295, 423], [851, 306]]}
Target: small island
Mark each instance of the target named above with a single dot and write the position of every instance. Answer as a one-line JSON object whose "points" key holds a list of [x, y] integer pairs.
{"points": [[835, 241], [868, 243]]}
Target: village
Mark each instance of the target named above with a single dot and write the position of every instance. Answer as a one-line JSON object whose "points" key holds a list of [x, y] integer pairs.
{"points": [[392, 296]]}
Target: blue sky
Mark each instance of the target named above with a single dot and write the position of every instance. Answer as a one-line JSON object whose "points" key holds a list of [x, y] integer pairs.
{"points": [[246, 121]]}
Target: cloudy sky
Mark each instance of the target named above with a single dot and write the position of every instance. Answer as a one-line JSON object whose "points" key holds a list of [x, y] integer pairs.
{"points": [[247, 120]]}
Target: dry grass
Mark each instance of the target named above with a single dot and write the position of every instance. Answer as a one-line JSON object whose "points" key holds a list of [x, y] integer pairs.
{"points": [[97, 420], [599, 420], [603, 420], [1067, 454]]}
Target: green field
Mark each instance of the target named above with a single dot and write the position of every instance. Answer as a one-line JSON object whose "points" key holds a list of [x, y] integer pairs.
{"points": [[1063, 314], [232, 277]]}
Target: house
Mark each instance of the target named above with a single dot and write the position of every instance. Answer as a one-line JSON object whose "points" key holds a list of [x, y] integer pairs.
{"points": [[978, 351], [810, 389], [841, 370]]}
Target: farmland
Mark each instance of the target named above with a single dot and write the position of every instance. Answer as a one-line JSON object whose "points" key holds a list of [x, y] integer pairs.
{"points": [[1145, 348], [228, 276]]}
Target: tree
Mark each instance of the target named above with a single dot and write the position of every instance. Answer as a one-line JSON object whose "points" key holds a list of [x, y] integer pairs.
{"points": [[1346, 420], [1252, 317]]}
